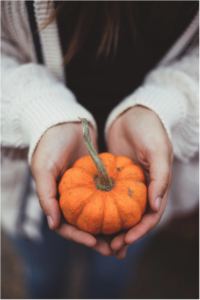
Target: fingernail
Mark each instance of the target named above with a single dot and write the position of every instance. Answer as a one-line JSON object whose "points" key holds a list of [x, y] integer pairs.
{"points": [[158, 203], [50, 221]]}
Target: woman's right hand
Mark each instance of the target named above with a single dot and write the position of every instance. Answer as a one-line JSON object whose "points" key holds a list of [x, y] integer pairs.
{"points": [[57, 150]]}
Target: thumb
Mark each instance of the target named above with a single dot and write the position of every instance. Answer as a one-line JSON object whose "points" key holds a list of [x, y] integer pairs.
{"points": [[160, 177], [47, 191]]}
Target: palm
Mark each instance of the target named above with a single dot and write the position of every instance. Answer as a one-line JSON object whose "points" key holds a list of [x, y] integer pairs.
{"points": [[139, 135], [58, 149]]}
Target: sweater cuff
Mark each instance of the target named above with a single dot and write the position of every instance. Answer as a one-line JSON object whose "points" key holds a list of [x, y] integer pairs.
{"points": [[49, 110], [167, 102]]}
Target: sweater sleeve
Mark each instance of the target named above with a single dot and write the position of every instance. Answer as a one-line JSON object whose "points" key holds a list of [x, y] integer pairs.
{"points": [[33, 100], [172, 92]]}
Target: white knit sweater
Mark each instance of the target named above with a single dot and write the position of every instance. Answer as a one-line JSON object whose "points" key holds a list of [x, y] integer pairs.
{"points": [[35, 98]]}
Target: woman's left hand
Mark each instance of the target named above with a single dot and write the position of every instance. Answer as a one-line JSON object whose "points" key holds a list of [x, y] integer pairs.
{"points": [[139, 134]]}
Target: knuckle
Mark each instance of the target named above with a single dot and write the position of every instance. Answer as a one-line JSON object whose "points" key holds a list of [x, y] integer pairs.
{"points": [[35, 169], [165, 180], [42, 204]]}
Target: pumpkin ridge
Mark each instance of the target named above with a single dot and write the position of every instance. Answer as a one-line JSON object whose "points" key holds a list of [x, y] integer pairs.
{"points": [[111, 172], [115, 202], [75, 168], [77, 186], [66, 193], [89, 173], [123, 169], [85, 205], [103, 215], [109, 202], [118, 209]]}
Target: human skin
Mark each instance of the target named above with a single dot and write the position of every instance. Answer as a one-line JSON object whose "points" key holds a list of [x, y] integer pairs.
{"points": [[144, 140], [57, 151]]}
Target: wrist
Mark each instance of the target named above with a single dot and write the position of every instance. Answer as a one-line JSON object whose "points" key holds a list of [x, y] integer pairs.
{"points": [[37, 118], [166, 102]]}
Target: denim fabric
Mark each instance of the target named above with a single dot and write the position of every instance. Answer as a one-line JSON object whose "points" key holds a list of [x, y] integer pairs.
{"points": [[47, 264]]}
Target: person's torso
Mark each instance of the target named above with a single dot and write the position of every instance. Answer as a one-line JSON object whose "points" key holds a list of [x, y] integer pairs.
{"points": [[100, 84]]}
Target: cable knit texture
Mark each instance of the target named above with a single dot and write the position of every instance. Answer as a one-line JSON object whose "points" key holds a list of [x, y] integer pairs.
{"points": [[34, 98], [172, 92]]}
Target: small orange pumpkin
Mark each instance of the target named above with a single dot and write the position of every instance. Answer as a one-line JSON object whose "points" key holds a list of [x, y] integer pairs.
{"points": [[102, 193]]}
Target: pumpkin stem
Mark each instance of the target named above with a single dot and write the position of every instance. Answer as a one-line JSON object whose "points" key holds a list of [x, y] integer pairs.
{"points": [[105, 182]]}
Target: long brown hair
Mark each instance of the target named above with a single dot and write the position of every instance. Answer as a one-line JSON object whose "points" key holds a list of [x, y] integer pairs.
{"points": [[111, 16]]}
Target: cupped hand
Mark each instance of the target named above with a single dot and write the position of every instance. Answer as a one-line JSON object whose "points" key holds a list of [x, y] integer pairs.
{"points": [[139, 134], [57, 150]]}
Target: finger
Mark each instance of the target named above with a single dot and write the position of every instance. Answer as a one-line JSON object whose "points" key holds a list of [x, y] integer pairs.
{"points": [[47, 190], [121, 254], [103, 247], [160, 169], [118, 242], [74, 234], [147, 223]]}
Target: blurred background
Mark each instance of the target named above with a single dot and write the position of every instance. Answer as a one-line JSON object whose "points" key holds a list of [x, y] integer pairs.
{"points": [[169, 268]]}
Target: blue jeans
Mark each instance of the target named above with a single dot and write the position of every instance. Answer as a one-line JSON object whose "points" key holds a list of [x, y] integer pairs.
{"points": [[47, 264]]}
